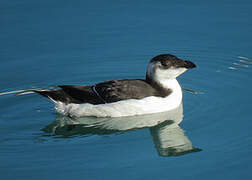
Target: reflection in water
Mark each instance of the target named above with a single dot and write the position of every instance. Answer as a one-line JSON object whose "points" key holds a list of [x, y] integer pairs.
{"points": [[170, 140], [168, 137]]}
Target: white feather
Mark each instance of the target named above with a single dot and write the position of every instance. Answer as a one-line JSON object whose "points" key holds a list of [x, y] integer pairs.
{"points": [[160, 75], [130, 107]]}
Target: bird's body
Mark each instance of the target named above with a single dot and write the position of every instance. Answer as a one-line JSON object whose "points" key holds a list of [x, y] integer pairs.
{"points": [[159, 92]]}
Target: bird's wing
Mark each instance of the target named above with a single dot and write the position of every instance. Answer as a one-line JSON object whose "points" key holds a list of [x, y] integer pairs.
{"points": [[72, 94], [105, 92], [116, 90], [82, 94]]}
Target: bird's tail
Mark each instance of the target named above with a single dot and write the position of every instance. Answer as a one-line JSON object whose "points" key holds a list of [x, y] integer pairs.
{"points": [[59, 97], [55, 95]]}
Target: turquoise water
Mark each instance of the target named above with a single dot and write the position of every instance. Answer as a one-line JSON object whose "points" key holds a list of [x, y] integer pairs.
{"points": [[46, 43]]}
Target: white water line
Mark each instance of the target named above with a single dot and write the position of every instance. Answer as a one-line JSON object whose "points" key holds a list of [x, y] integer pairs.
{"points": [[18, 92]]}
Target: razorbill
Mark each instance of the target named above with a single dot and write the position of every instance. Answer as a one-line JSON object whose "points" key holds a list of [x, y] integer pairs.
{"points": [[158, 92]]}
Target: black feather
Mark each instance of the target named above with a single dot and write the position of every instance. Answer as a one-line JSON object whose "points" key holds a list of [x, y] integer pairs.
{"points": [[109, 91]]}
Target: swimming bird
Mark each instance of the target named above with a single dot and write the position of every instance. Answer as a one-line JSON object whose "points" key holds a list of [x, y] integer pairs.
{"points": [[158, 92]]}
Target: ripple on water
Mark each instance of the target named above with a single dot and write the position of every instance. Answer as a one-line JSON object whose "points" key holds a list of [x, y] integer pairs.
{"points": [[216, 81]]}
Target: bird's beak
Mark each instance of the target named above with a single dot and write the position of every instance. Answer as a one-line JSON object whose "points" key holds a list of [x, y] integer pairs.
{"points": [[189, 64]]}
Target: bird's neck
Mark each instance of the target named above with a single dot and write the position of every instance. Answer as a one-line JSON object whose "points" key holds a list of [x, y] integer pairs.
{"points": [[165, 86]]}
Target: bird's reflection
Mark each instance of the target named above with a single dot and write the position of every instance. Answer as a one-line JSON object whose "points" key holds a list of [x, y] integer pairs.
{"points": [[170, 140], [168, 137]]}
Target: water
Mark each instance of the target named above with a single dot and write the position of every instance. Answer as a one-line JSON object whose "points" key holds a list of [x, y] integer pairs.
{"points": [[47, 43]]}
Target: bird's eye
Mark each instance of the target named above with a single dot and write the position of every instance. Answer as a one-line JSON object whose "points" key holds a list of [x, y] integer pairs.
{"points": [[165, 63]]}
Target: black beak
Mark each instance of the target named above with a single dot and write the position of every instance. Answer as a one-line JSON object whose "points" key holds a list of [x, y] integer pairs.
{"points": [[189, 64]]}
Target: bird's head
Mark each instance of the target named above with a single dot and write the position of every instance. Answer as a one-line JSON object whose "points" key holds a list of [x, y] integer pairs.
{"points": [[167, 66]]}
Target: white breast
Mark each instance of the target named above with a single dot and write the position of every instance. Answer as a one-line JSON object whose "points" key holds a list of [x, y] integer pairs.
{"points": [[130, 107]]}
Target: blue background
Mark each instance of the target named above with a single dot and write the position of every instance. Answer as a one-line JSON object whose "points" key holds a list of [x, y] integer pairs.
{"points": [[46, 43]]}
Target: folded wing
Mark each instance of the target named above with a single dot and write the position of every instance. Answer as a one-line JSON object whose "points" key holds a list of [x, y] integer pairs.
{"points": [[105, 92], [116, 90]]}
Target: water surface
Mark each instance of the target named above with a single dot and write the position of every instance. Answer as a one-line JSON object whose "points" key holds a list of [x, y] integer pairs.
{"points": [[43, 44]]}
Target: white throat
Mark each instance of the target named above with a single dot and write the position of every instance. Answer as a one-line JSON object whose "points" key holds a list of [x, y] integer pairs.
{"points": [[165, 77]]}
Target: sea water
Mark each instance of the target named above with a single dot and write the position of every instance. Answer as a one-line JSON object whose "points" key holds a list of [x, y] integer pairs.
{"points": [[48, 43]]}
